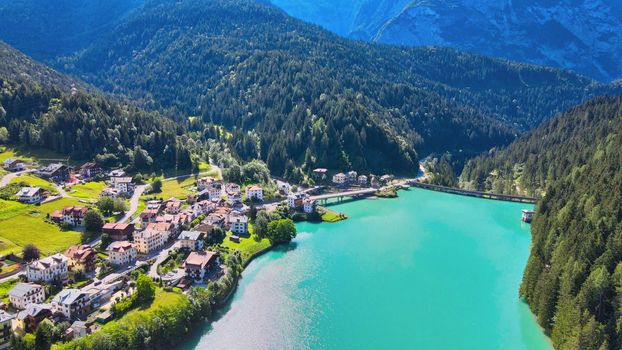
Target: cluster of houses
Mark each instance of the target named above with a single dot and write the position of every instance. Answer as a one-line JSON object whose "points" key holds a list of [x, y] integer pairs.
{"points": [[353, 178], [301, 201], [31, 305], [119, 184]]}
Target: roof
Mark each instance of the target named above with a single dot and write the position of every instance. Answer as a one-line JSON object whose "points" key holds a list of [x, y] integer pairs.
{"points": [[68, 296], [116, 226], [320, 170], [200, 259], [28, 191], [22, 289], [254, 188], [52, 168], [47, 262], [160, 226], [33, 310], [89, 165], [527, 211], [190, 235], [125, 179], [75, 210], [237, 218], [120, 246], [80, 252], [5, 316]]}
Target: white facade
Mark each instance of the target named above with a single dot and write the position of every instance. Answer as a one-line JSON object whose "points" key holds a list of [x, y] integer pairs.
{"points": [[121, 253], [26, 293], [71, 302], [239, 224], [48, 269], [308, 206], [123, 184], [254, 192], [340, 178], [362, 180], [30, 195]]}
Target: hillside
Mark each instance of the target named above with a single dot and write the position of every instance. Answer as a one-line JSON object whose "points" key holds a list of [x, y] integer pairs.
{"points": [[16, 66], [314, 98], [573, 280], [549, 152], [584, 36], [38, 109], [46, 29]]}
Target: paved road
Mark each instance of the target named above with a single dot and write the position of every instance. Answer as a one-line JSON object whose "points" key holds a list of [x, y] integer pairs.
{"points": [[134, 201], [153, 270], [6, 179]]}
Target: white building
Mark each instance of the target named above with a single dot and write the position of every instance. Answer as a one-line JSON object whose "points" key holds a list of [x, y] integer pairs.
{"points": [[71, 303], [214, 191], [121, 253], [191, 240], [48, 269], [26, 293], [254, 192], [12, 164], [148, 241], [238, 223], [30, 195], [234, 198], [308, 205], [340, 179], [362, 180], [123, 184], [352, 176]]}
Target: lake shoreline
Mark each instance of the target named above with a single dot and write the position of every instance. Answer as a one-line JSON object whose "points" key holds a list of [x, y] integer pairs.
{"points": [[249, 276]]}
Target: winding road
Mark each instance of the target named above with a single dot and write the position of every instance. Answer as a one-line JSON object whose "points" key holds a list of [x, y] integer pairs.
{"points": [[6, 179]]}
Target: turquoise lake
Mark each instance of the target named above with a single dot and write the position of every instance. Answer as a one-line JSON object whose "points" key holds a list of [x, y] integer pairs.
{"points": [[426, 271]]}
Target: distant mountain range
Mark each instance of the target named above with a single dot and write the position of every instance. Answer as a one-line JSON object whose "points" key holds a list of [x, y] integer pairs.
{"points": [[297, 96], [585, 36], [46, 29]]}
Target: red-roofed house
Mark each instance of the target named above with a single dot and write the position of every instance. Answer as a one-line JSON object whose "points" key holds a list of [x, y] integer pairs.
{"points": [[121, 253], [199, 263], [81, 258], [74, 215], [118, 231]]}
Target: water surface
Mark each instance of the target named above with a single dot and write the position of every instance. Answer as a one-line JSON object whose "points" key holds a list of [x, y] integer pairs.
{"points": [[426, 271]]}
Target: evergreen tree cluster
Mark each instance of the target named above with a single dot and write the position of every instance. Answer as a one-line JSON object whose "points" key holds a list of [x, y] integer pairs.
{"points": [[86, 126], [549, 152], [297, 96]]}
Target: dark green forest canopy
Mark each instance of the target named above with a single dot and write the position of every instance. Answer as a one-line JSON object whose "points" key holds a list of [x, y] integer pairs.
{"points": [[573, 279], [551, 151], [314, 99]]}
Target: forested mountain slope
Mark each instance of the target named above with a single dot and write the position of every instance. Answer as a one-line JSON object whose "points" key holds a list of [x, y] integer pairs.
{"points": [[585, 36], [538, 158], [46, 29], [312, 98], [573, 279], [16, 66], [38, 108]]}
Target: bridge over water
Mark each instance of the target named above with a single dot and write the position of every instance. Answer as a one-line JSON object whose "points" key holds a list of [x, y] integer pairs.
{"points": [[323, 198]]}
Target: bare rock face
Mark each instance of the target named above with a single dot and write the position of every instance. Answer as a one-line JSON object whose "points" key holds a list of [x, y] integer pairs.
{"points": [[581, 35]]}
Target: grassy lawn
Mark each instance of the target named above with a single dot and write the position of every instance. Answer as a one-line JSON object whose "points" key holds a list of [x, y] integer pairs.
{"points": [[5, 287], [332, 216], [176, 188], [24, 224], [248, 246], [89, 190], [162, 299], [35, 181]]}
